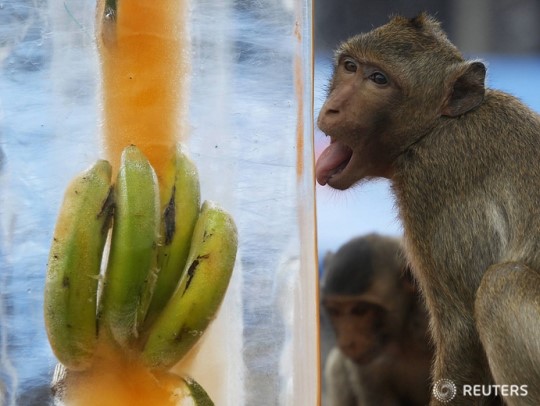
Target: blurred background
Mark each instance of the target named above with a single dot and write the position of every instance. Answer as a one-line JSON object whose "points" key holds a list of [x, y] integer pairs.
{"points": [[479, 26]]}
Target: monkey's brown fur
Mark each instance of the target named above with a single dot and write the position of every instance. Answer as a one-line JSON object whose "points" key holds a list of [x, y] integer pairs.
{"points": [[464, 163]]}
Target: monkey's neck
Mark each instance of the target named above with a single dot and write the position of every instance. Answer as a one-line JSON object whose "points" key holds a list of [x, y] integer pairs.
{"points": [[419, 134]]}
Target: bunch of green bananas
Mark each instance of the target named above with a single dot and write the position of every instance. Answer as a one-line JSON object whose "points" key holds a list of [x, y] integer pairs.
{"points": [[164, 276]]}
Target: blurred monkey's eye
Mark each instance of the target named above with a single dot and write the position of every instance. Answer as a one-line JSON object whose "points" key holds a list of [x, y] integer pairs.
{"points": [[350, 66], [333, 312], [378, 78], [360, 309]]}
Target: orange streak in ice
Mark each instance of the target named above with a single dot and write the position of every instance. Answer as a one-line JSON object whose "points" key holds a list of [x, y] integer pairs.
{"points": [[144, 66], [117, 380], [299, 87]]}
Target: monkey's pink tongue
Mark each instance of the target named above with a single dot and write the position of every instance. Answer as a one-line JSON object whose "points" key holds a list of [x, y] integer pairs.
{"points": [[331, 161]]}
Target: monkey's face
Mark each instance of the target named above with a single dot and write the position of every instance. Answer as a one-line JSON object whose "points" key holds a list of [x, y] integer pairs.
{"points": [[356, 115], [390, 87], [359, 326]]}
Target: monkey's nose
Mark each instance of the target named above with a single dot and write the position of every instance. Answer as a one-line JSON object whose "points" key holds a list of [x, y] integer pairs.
{"points": [[329, 110], [327, 116]]}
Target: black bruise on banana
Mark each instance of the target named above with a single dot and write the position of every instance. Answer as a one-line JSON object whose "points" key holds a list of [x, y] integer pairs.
{"points": [[107, 210], [169, 218], [206, 235], [191, 270], [184, 331], [190, 274]]}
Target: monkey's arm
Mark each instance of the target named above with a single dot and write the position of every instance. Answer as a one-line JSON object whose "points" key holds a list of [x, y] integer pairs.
{"points": [[339, 391], [508, 299]]}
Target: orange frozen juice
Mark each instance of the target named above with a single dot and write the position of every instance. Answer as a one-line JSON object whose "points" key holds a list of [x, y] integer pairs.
{"points": [[117, 380], [143, 47]]}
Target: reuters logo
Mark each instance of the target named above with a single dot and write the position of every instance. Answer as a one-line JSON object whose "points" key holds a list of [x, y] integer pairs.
{"points": [[444, 390]]}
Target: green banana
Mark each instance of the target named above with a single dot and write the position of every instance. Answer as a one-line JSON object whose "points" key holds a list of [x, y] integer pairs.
{"points": [[177, 223], [74, 265], [186, 391], [200, 291], [131, 269], [195, 392]]}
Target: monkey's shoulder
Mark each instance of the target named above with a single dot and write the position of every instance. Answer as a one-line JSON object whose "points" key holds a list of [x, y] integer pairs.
{"points": [[497, 144], [500, 128], [500, 103]]}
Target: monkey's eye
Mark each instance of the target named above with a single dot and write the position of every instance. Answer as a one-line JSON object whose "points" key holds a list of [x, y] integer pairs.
{"points": [[333, 312], [378, 78], [360, 309], [350, 66]]}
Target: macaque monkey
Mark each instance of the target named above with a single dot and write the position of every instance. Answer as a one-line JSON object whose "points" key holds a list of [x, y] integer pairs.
{"points": [[464, 164], [382, 356]]}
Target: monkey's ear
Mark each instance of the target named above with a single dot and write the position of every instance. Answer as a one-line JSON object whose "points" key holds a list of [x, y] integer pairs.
{"points": [[467, 90]]}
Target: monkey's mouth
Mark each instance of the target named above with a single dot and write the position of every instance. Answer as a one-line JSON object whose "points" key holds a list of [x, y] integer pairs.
{"points": [[332, 161]]}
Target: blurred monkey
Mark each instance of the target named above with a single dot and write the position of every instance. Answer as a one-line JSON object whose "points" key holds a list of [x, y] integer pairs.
{"points": [[382, 356]]}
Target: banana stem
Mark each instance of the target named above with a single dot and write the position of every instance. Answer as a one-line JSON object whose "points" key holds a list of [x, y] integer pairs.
{"points": [[110, 7]]}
